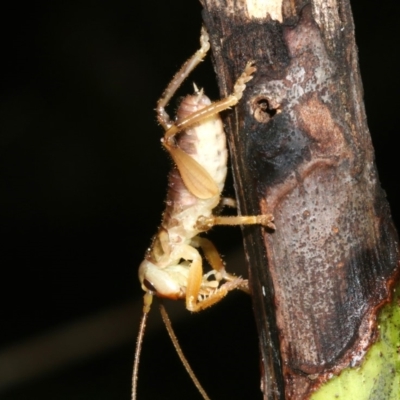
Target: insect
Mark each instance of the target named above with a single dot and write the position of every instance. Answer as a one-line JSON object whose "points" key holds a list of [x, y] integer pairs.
{"points": [[196, 141]]}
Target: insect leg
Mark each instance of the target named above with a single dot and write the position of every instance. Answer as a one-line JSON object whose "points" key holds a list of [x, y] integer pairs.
{"points": [[206, 223], [179, 351], [212, 255], [194, 175], [214, 296], [196, 178], [195, 277], [180, 76], [213, 108], [218, 294], [214, 259]]}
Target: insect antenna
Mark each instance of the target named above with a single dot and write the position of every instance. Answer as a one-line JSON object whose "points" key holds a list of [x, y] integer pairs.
{"points": [[148, 298], [137, 355], [178, 349]]}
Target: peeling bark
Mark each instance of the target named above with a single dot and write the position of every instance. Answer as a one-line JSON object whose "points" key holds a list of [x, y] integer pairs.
{"points": [[301, 150]]}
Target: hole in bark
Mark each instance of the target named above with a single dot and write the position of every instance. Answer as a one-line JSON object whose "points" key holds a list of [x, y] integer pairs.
{"points": [[262, 110]]}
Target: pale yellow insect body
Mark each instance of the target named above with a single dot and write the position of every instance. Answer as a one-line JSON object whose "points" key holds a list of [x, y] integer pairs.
{"points": [[172, 267], [205, 142]]}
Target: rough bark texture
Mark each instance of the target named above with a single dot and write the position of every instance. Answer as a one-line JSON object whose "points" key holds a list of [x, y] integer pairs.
{"points": [[301, 150]]}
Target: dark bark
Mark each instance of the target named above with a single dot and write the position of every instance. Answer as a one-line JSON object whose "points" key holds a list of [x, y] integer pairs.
{"points": [[301, 150]]}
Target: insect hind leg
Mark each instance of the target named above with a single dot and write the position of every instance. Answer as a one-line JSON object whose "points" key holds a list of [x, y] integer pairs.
{"points": [[214, 108], [180, 76]]}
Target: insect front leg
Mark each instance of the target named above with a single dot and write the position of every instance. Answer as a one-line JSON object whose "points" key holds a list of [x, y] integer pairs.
{"points": [[195, 276], [200, 292], [209, 297], [214, 259]]}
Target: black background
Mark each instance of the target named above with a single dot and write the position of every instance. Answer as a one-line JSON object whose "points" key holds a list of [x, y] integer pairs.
{"points": [[83, 179]]}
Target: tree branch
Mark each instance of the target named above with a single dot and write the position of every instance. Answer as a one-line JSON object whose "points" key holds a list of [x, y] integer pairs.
{"points": [[301, 150]]}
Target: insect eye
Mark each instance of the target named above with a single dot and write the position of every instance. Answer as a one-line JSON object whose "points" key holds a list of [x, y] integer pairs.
{"points": [[149, 286]]}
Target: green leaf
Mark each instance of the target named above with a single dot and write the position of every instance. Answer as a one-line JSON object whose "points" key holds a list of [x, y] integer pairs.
{"points": [[378, 376]]}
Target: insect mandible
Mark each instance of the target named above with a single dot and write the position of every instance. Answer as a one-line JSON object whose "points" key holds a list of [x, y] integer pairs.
{"points": [[196, 141]]}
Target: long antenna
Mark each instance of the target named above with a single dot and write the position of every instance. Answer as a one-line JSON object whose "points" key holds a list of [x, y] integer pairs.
{"points": [[148, 298], [178, 349]]}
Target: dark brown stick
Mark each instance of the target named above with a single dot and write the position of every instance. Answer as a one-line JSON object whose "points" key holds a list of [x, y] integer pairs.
{"points": [[301, 150]]}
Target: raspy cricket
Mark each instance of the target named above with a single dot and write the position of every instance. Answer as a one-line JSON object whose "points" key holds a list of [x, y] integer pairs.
{"points": [[173, 266]]}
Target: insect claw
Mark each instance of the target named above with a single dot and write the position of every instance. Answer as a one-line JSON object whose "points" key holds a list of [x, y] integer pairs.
{"points": [[271, 225], [267, 221]]}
